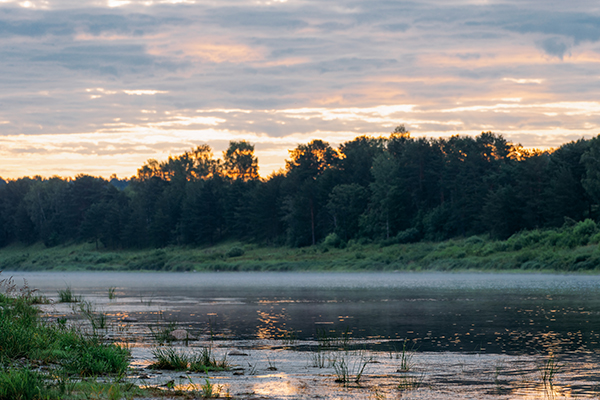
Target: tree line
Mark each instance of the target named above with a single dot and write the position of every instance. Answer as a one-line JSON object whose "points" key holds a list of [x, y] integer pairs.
{"points": [[395, 189]]}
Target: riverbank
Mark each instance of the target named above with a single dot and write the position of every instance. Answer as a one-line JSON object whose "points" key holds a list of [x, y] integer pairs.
{"points": [[565, 250]]}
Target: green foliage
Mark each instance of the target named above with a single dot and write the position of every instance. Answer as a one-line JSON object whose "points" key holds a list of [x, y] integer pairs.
{"points": [[181, 360], [394, 190], [333, 240], [235, 252], [23, 384], [66, 296], [209, 390], [170, 358], [205, 361]]}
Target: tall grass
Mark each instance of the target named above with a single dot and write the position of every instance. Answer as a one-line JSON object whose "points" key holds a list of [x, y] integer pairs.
{"points": [[66, 296], [181, 360], [26, 340], [347, 370]]}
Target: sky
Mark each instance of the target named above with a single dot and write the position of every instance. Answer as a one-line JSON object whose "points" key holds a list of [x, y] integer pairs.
{"points": [[100, 86]]}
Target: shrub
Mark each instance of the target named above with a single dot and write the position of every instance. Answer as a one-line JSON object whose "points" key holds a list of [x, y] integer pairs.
{"points": [[235, 252], [410, 235], [333, 240], [584, 230]]}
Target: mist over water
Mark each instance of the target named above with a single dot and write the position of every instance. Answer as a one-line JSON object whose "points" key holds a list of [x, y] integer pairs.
{"points": [[487, 313]]}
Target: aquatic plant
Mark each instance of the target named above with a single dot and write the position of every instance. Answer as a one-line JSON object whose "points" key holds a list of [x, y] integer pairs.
{"points": [[271, 363], [162, 334], [345, 372], [111, 293], [289, 338], [330, 340], [319, 358], [97, 319], [66, 296], [253, 369], [169, 358], [209, 390], [411, 382], [22, 384], [406, 358], [548, 370], [205, 361]]}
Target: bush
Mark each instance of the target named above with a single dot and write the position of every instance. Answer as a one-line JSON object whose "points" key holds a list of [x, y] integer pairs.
{"points": [[584, 230], [333, 240], [410, 235], [235, 252]]}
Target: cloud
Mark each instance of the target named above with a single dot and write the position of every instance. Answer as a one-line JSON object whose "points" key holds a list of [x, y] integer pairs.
{"points": [[35, 28], [554, 47], [176, 74], [116, 59], [580, 27]]}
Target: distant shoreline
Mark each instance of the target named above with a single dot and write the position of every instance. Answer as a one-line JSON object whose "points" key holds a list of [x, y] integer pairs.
{"points": [[534, 251]]}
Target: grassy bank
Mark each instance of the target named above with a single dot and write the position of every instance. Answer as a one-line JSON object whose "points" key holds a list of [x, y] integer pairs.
{"points": [[571, 248], [49, 360]]}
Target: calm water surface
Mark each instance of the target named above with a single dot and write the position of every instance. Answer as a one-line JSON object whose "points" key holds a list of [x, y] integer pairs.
{"points": [[492, 313]]}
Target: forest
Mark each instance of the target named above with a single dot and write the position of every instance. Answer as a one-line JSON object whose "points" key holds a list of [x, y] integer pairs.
{"points": [[395, 189]]}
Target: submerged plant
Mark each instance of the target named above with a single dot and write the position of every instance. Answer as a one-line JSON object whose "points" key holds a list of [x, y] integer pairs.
{"points": [[410, 382], [548, 370]]}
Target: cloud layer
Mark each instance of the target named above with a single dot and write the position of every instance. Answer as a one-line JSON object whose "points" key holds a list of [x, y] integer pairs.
{"points": [[101, 86]]}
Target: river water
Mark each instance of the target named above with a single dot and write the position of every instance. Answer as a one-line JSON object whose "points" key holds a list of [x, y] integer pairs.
{"points": [[515, 314], [480, 336]]}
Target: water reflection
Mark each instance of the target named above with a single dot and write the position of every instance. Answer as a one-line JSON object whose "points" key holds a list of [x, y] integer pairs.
{"points": [[495, 313]]}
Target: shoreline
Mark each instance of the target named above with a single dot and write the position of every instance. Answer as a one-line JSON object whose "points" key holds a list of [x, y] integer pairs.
{"points": [[472, 254]]}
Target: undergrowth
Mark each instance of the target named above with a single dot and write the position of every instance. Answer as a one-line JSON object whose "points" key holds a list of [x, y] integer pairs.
{"points": [[65, 354], [574, 247]]}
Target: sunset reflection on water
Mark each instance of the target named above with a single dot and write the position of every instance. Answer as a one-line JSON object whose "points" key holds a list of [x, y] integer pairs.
{"points": [[503, 324]]}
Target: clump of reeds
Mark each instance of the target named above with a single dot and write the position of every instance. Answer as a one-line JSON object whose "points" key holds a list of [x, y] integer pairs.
{"points": [[406, 358], [548, 370], [66, 296], [345, 371], [182, 360]]}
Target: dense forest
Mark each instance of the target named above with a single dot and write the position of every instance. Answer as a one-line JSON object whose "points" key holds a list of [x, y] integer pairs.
{"points": [[396, 189]]}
